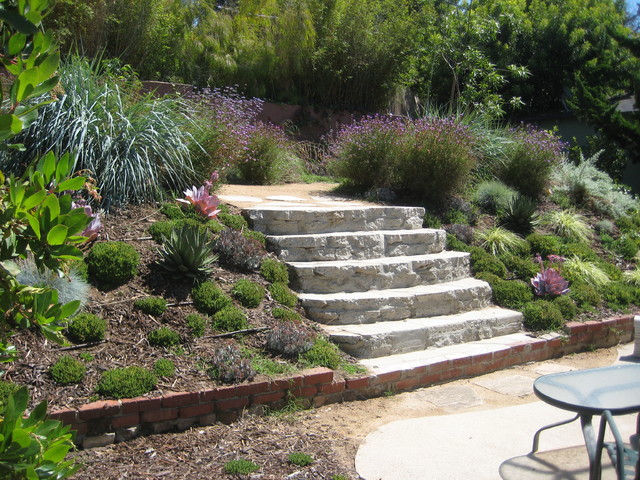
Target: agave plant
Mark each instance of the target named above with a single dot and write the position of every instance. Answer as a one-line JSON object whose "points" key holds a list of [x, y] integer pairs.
{"points": [[519, 215], [187, 252]]}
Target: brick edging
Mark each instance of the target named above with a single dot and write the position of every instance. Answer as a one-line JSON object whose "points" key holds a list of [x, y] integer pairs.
{"points": [[106, 421]]}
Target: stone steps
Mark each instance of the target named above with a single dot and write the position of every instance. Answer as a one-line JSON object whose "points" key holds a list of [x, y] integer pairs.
{"points": [[416, 334], [378, 274], [356, 245], [397, 303]]}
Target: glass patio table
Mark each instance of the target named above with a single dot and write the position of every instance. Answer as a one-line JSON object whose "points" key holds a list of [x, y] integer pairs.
{"points": [[588, 393]]}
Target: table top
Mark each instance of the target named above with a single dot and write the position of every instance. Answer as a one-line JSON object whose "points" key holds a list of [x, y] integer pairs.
{"points": [[615, 388]]}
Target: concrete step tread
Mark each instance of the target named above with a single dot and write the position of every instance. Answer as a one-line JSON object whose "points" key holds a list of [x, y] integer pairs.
{"points": [[356, 233], [408, 361], [408, 292], [382, 328], [379, 261]]}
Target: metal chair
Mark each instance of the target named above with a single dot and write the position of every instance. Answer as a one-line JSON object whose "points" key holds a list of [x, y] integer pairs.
{"points": [[624, 456]]}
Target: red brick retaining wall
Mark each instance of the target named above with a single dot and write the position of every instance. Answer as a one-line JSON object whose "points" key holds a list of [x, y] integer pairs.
{"points": [[117, 420]]}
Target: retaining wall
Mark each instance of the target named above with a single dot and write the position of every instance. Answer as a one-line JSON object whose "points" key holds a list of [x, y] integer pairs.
{"points": [[108, 421]]}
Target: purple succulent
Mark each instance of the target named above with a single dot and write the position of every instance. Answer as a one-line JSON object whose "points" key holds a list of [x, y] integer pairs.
{"points": [[549, 282]]}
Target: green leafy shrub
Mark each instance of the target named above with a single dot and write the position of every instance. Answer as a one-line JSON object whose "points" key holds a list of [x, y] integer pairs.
{"points": [[237, 222], [583, 271], [585, 296], [282, 294], [152, 305], [481, 261], [257, 236], [274, 271], [519, 215], [544, 245], [113, 263], [6, 390], [126, 382], [493, 196], [33, 446], [457, 245], [511, 293], [569, 224], [300, 459], [619, 296], [196, 324], [522, 268], [489, 278], [627, 246], [187, 252], [322, 353], [578, 249], [164, 367], [163, 337], [240, 467], [530, 159], [286, 314], [161, 229], [289, 339], [229, 366], [209, 299], [248, 293], [542, 315], [613, 272], [498, 240], [236, 250], [629, 223], [431, 221], [67, 370], [230, 319], [215, 227], [632, 277], [567, 306], [86, 328], [171, 211]]}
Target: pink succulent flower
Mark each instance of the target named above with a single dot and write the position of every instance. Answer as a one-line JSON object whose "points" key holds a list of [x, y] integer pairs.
{"points": [[91, 231], [204, 203]]}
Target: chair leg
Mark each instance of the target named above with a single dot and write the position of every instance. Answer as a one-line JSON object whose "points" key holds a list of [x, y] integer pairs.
{"points": [[536, 437]]}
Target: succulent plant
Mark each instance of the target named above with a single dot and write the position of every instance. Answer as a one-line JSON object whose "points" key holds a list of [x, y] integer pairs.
{"points": [[549, 282], [187, 252]]}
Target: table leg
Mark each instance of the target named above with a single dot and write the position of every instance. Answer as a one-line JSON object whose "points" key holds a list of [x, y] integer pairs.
{"points": [[536, 437], [595, 469]]}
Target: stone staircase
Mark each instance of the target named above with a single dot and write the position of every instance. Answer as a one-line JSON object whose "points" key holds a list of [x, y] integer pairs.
{"points": [[380, 284]]}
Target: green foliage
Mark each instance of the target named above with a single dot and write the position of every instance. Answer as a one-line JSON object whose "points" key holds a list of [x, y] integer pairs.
{"points": [[237, 222], [6, 390], [240, 467], [259, 237], [629, 223], [161, 229], [493, 196], [322, 353], [481, 261], [300, 459], [230, 319], [163, 337], [70, 287], [248, 293], [454, 244], [542, 315], [235, 250], [126, 382], [585, 296], [522, 268], [511, 293], [627, 246], [135, 146], [33, 446], [289, 339], [209, 299], [578, 249], [619, 296], [274, 271], [155, 306], [519, 215], [544, 245], [286, 314], [567, 306], [632, 277], [163, 367], [196, 324], [171, 211], [228, 365], [584, 271], [267, 366], [281, 293], [497, 240], [187, 252], [113, 263], [67, 370], [605, 227], [86, 328], [431, 221], [568, 224]]}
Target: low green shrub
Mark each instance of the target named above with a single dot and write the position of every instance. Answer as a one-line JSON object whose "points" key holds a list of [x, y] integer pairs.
{"points": [[237, 222], [613, 272], [67, 371], [161, 229], [163, 337], [164, 367], [171, 211], [286, 314], [544, 245], [322, 353], [249, 294], [255, 236], [619, 295], [567, 306], [209, 298], [230, 319], [113, 263], [289, 339], [629, 223], [577, 249], [481, 261], [126, 382], [521, 268], [228, 365], [457, 245], [627, 246], [281, 293], [86, 328], [155, 306], [215, 227], [300, 459], [489, 277], [431, 221], [585, 296], [274, 271], [542, 315], [196, 324], [240, 467], [493, 196], [6, 390], [511, 293]]}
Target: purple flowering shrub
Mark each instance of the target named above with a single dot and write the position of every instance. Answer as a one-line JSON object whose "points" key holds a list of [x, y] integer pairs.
{"points": [[548, 282], [529, 160]]}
